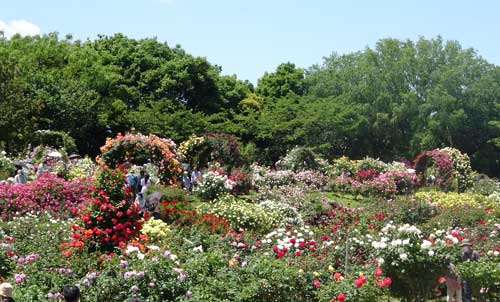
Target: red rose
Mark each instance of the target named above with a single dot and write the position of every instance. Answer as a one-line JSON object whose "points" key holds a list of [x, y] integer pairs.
{"points": [[387, 281], [316, 283], [341, 297], [377, 273], [358, 282]]}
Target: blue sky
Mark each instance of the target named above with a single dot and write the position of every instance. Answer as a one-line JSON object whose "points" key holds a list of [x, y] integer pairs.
{"points": [[248, 38]]}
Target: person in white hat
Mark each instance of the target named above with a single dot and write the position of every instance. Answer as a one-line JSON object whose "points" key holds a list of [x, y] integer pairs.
{"points": [[6, 292]]}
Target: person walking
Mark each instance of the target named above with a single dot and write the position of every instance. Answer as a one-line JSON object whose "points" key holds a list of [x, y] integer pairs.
{"points": [[468, 254], [453, 284]]}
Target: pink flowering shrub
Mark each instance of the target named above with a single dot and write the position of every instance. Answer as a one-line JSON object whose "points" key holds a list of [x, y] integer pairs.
{"points": [[386, 184], [47, 193]]}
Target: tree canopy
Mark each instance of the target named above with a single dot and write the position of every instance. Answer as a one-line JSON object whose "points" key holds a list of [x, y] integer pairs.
{"points": [[390, 101]]}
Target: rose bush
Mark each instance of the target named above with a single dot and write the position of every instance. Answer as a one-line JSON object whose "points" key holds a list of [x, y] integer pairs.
{"points": [[48, 193]]}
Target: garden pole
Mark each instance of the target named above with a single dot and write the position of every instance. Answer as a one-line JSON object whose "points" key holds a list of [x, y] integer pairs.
{"points": [[346, 263]]}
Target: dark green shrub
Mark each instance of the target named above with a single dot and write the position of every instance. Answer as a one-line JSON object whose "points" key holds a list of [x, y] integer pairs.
{"points": [[56, 139]]}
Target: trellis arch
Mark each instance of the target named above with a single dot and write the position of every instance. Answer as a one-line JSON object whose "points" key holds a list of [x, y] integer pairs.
{"points": [[140, 149], [442, 164]]}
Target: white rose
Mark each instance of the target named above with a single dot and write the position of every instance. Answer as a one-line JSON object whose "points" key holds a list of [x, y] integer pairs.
{"points": [[403, 256], [426, 244]]}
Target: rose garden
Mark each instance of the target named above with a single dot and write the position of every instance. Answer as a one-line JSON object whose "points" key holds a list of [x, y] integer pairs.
{"points": [[303, 229]]}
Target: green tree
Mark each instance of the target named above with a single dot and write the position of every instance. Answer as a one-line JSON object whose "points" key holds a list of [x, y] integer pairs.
{"points": [[285, 80]]}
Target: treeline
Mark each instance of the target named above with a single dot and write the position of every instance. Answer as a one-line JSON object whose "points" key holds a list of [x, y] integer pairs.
{"points": [[390, 101]]}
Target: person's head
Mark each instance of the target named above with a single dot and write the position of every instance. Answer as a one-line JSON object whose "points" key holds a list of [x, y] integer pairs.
{"points": [[71, 293], [146, 176], [466, 246], [142, 173], [6, 292]]}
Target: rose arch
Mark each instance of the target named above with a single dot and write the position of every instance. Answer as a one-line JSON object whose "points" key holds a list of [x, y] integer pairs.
{"points": [[434, 163], [139, 149]]}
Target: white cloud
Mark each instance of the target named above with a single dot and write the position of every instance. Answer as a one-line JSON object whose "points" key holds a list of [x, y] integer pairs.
{"points": [[22, 27]]}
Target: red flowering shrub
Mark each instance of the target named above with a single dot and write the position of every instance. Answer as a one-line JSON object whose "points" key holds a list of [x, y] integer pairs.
{"points": [[367, 174], [48, 193], [181, 214], [241, 180], [110, 219]]}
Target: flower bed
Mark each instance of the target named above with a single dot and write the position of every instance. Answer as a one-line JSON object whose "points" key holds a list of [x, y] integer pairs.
{"points": [[47, 193]]}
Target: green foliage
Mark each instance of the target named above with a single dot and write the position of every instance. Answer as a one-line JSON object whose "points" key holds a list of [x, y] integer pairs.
{"points": [[413, 211], [486, 186], [460, 216], [6, 264], [483, 274], [452, 199], [257, 281], [56, 139], [7, 167], [286, 80], [170, 193]]}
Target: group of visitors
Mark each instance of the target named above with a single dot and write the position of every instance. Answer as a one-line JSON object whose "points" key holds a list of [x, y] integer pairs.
{"points": [[138, 185], [459, 290], [190, 181], [19, 177], [71, 293]]}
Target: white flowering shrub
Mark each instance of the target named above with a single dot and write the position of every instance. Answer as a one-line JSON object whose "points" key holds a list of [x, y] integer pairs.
{"points": [[311, 178], [6, 166], [287, 213], [242, 214], [262, 178], [406, 254], [462, 168], [213, 184], [301, 158], [494, 197], [82, 168]]}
